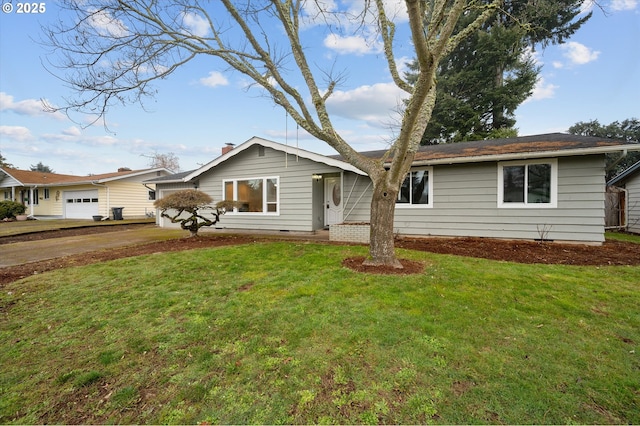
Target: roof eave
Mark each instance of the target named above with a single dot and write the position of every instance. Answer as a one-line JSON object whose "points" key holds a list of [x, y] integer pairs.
{"points": [[625, 174], [132, 174], [289, 150], [528, 155]]}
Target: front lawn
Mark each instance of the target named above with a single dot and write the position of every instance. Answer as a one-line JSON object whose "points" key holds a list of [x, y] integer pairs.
{"points": [[281, 332]]}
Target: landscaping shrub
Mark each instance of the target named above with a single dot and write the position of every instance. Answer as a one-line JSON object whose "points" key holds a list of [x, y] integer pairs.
{"points": [[10, 209]]}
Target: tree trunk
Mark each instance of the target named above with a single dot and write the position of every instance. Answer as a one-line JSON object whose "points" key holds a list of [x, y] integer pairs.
{"points": [[381, 248], [498, 108]]}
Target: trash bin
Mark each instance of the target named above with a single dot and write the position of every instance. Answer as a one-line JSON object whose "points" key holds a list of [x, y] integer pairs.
{"points": [[117, 213]]}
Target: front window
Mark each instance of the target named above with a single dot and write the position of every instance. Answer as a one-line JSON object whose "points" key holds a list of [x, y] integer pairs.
{"points": [[416, 189], [531, 184], [256, 195]]}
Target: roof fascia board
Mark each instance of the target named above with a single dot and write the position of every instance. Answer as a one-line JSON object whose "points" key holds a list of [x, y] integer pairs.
{"points": [[129, 175], [289, 150], [154, 181], [12, 177], [626, 173], [528, 155]]}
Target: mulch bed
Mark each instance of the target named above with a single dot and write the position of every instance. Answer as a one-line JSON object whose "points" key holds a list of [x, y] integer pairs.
{"points": [[610, 253]]}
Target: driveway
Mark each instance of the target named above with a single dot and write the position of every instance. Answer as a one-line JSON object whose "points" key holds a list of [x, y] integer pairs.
{"points": [[19, 253], [32, 251]]}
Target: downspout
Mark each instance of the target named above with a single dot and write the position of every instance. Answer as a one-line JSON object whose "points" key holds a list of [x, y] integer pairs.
{"points": [[32, 201], [102, 185], [154, 191], [623, 155]]}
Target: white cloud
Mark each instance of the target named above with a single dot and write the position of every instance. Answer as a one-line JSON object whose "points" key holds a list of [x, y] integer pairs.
{"points": [[74, 135], [351, 45], [196, 24], [29, 107], [16, 133], [542, 90], [214, 79], [106, 25], [72, 131], [620, 5], [578, 53], [376, 104]]}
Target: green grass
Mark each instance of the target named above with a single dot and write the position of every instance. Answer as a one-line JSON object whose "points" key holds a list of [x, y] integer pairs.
{"points": [[623, 236], [282, 333]]}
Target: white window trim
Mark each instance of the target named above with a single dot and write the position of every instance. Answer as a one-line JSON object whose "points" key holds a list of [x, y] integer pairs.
{"points": [[525, 205], [429, 205], [265, 204]]}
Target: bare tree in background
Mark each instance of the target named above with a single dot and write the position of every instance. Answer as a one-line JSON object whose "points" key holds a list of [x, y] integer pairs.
{"points": [[111, 51], [169, 161]]}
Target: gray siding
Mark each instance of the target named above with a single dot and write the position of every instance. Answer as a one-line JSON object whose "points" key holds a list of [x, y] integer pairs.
{"points": [[633, 196], [162, 190], [296, 189], [464, 198], [465, 203]]}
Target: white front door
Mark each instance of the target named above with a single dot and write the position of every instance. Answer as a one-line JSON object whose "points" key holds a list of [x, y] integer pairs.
{"points": [[332, 201]]}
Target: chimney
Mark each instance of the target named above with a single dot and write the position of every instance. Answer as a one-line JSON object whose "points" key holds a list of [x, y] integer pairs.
{"points": [[228, 147], [124, 169]]}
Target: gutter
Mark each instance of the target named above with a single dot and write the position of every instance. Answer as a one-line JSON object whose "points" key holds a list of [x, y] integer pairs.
{"points": [[623, 155], [527, 155]]}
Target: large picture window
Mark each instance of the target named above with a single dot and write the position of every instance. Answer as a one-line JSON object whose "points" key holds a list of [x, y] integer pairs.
{"points": [[416, 189], [531, 184], [256, 195]]}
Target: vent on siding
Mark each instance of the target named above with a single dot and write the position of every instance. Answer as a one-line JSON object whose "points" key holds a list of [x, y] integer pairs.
{"points": [[260, 151]]}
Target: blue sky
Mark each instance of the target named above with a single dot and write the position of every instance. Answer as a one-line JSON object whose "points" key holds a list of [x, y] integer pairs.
{"points": [[201, 107]]}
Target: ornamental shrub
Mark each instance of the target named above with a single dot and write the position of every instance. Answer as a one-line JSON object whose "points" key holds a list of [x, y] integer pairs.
{"points": [[10, 209]]}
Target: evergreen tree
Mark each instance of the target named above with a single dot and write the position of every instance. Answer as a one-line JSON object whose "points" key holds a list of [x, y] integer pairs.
{"points": [[41, 168], [484, 80], [3, 162]]}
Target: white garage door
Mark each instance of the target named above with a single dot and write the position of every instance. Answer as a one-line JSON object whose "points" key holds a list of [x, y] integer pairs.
{"points": [[80, 204]]}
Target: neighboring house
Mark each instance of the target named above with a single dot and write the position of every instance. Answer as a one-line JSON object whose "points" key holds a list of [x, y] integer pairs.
{"points": [[535, 187], [627, 184], [81, 197]]}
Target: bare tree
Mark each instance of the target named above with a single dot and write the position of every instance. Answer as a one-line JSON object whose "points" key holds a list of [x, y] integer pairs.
{"points": [[169, 161], [113, 50]]}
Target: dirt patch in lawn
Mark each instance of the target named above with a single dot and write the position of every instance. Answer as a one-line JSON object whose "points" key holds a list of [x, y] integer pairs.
{"points": [[610, 253]]}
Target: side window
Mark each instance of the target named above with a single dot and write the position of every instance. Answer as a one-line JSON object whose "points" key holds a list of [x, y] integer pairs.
{"points": [[416, 189], [528, 185]]}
